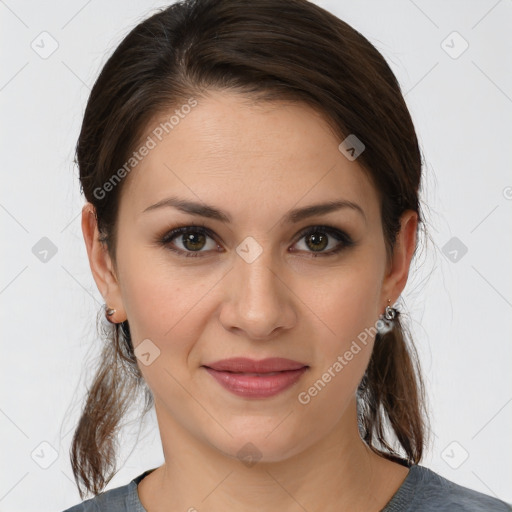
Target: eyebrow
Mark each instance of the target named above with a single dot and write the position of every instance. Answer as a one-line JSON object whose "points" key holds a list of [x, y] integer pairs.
{"points": [[293, 216]]}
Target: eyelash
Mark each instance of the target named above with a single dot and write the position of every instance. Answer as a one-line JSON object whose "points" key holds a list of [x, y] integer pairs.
{"points": [[339, 235]]}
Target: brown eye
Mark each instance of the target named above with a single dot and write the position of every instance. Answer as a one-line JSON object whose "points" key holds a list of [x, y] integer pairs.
{"points": [[193, 240], [318, 238], [317, 241]]}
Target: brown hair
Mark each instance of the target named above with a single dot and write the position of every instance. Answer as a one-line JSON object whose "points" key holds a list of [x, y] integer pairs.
{"points": [[270, 50]]}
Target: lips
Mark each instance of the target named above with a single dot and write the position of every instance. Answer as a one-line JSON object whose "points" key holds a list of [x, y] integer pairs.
{"points": [[246, 365], [249, 378]]}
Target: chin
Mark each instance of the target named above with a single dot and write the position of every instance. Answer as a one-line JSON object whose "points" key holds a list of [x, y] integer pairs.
{"points": [[262, 445]]}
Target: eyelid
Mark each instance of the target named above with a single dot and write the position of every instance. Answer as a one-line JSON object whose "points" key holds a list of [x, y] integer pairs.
{"points": [[331, 230], [338, 234], [173, 231]]}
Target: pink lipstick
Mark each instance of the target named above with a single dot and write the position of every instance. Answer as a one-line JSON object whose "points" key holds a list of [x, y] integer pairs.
{"points": [[256, 379]]}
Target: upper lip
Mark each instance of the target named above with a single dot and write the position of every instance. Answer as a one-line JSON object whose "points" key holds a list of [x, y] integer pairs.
{"points": [[246, 365]]}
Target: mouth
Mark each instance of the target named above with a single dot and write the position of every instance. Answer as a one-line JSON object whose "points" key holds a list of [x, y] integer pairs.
{"points": [[263, 366], [249, 378]]}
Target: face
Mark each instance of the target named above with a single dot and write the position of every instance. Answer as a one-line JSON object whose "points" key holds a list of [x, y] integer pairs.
{"points": [[252, 281]]}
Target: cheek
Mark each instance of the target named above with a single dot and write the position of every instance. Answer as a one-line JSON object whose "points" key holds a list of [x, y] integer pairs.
{"points": [[165, 304], [161, 310], [161, 305], [345, 302], [155, 293], [345, 306]]}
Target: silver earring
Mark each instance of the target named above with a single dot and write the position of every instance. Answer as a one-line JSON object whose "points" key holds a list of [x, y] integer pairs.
{"points": [[390, 313], [109, 312], [386, 321]]}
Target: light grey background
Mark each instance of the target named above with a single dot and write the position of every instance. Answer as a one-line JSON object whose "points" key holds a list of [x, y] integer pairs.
{"points": [[459, 304]]}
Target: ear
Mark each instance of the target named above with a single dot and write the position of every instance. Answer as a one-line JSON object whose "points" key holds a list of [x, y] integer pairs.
{"points": [[398, 269], [101, 264]]}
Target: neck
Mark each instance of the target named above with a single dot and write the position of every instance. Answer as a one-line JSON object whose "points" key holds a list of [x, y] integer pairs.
{"points": [[338, 473]]}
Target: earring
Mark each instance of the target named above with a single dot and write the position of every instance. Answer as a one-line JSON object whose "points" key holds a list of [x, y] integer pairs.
{"points": [[108, 313], [390, 313], [386, 321]]}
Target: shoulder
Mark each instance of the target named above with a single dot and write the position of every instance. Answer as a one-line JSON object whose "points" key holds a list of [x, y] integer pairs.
{"points": [[425, 490], [120, 499]]}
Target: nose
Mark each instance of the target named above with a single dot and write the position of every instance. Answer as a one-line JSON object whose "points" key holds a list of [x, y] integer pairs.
{"points": [[258, 303]]}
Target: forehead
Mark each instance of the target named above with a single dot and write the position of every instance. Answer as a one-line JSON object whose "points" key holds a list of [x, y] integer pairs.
{"points": [[241, 155]]}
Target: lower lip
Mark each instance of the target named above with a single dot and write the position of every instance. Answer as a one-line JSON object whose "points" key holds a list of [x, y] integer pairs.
{"points": [[256, 386]]}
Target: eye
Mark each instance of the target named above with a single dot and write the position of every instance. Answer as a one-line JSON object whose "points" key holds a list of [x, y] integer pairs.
{"points": [[194, 239], [318, 238]]}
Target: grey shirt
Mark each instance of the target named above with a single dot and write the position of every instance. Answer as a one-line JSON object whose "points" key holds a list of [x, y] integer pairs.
{"points": [[423, 490]]}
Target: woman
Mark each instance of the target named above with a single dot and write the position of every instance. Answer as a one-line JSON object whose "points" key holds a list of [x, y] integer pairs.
{"points": [[252, 173]]}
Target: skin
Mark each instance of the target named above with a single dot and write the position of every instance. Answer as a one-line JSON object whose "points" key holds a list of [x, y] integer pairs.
{"points": [[256, 161]]}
